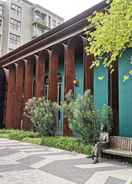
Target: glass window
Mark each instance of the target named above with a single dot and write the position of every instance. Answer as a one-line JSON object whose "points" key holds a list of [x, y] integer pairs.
{"points": [[16, 10], [15, 25], [14, 39]]}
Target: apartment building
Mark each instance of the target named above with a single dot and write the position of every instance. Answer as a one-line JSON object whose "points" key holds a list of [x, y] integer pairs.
{"points": [[22, 21]]}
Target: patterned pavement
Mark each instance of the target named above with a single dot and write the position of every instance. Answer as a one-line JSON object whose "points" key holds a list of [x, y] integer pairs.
{"points": [[25, 163]]}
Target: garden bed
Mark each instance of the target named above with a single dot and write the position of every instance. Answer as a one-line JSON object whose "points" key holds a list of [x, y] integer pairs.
{"points": [[66, 143]]}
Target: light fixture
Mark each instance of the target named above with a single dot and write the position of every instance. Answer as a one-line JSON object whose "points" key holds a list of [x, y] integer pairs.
{"points": [[76, 82]]}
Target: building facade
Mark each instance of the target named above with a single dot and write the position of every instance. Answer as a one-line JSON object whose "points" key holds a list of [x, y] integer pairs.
{"points": [[49, 65], [21, 21]]}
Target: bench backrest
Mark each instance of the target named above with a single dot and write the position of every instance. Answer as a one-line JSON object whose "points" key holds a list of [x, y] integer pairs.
{"points": [[121, 143]]}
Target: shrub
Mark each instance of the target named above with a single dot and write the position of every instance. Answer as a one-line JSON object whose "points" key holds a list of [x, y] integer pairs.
{"points": [[20, 135], [106, 118], [67, 143], [43, 115], [84, 119]]}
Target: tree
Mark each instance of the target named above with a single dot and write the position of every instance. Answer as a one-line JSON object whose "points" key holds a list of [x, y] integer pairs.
{"points": [[112, 34]]}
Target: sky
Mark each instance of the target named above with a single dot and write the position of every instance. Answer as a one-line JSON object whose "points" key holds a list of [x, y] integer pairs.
{"points": [[66, 8]]}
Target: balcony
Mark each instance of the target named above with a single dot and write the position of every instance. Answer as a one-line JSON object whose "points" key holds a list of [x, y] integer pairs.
{"points": [[37, 33], [40, 22]]}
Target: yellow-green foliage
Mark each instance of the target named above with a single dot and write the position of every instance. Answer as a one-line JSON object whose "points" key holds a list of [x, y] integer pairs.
{"points": [[112, 35]]}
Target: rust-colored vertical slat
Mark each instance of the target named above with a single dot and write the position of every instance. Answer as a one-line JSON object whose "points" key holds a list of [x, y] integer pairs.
{"points": [[88, 74], [28, 89], [113, 98], [40, 75], [19, 94], [53, 78], [10, 99], [69, 67]]}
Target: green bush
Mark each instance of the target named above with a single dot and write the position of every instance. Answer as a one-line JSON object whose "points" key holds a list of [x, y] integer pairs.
{"points": [[85, 119], [43, 115], [17, 134], [20, 135], [67, 143]]}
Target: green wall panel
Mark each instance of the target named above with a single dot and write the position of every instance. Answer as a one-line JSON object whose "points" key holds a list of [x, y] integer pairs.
{"points": [[100, 87], [79, 75], [125, 96]]}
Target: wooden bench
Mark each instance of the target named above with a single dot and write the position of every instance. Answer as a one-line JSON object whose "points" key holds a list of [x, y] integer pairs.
{"points": [[120, 146]]}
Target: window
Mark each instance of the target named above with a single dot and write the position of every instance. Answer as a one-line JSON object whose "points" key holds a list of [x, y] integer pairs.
{"points": [[15, 24], [14, 39], [39, 15], [16, 10]]}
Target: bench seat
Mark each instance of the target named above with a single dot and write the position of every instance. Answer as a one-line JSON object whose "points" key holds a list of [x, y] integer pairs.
{"points": [[120, 146], [118, 152]]}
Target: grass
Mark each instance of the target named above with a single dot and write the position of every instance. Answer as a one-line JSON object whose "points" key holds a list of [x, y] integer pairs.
{"points": [[66, 143]]}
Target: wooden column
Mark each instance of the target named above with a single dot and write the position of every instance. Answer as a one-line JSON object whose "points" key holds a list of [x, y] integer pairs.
{"points": [[19, 95], [40, 75], [88, 82], [2, 95], [69, 67], [28, 89], [88, 74], [53, 77], [10, 99], [113, 98]]}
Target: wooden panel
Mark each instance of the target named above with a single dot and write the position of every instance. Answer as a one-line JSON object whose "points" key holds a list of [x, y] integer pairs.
{"points": [[53, 77], [19, 94], [28, 89], [121, 143], [10, 98], [40, 75], [69, 67]]}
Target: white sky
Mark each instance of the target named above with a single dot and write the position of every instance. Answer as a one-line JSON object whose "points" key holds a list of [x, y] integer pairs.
{"points": [[66, 8]]}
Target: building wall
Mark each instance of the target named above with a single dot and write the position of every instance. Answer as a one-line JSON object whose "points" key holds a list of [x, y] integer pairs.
{"points": [[26, 23], [26, 20], [100, 87], [125, 95]]}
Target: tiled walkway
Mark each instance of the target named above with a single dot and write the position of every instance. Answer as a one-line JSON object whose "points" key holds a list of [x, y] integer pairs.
{"points": [[24, 163]]}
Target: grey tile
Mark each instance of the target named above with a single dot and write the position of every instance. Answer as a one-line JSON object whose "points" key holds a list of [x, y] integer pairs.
{"points": [[67, 169]]}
